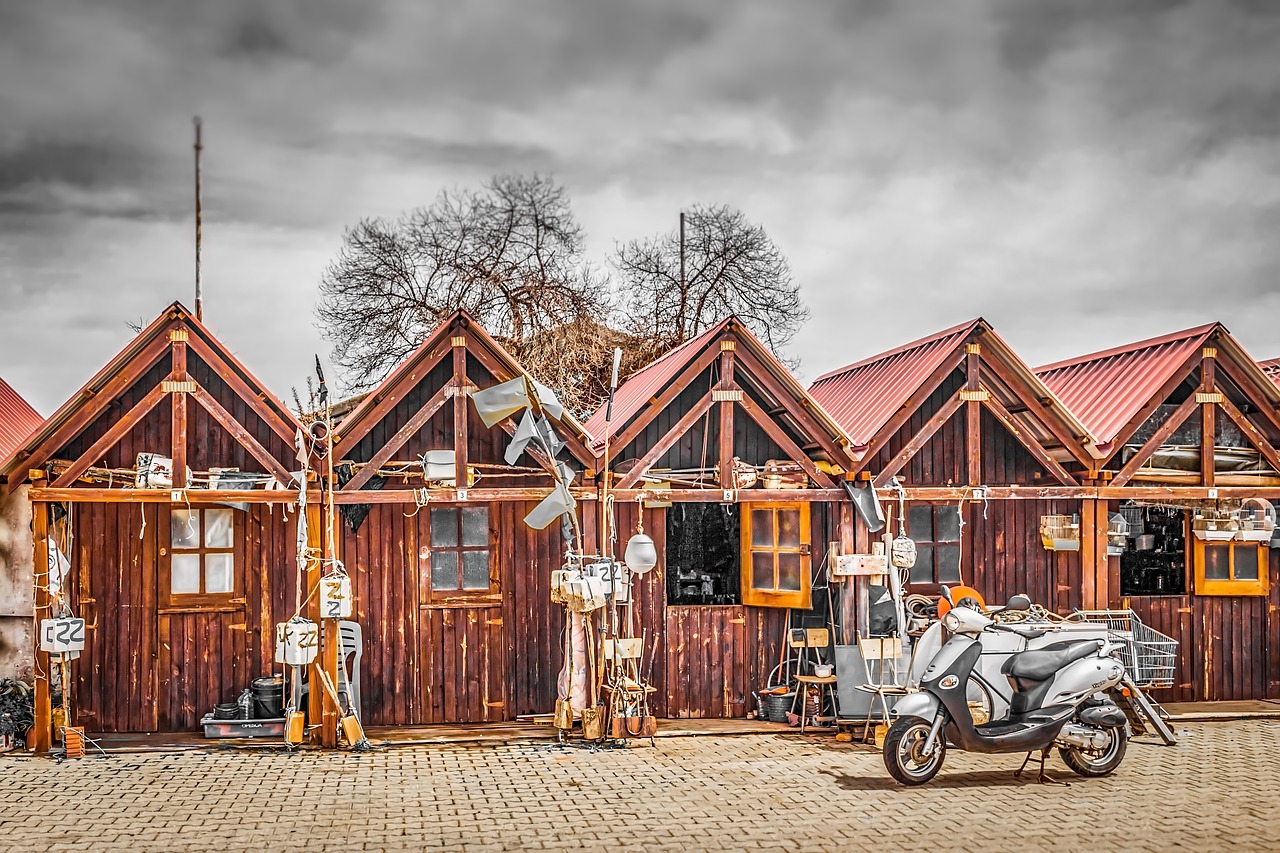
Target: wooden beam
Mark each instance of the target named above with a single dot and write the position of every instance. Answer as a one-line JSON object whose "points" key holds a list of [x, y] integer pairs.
{"points": [[450, 496], [178, 419], [1102, 563], [1088, 557], [740, 496], [111, 437], [460, 386], [918, 441], [973, 415], [1255, 436], [800, 408], [228, 373], [664, 444], [384, 399], [1035, 448], [397, 441], [900, 418], [1188, 493], [784, 442], [725, 462], [663, 399], [1157, 400], [1208, 430], [194, 496], [242, 436], [1156, 441], [41, 738], [1265, 407]]}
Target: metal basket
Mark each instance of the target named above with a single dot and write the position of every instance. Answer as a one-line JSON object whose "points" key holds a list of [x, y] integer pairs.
{"points": [[1149, 656]]}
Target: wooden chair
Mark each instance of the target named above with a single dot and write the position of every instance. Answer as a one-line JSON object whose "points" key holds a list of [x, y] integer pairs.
{"points": [[882, 649], [810, 642]]}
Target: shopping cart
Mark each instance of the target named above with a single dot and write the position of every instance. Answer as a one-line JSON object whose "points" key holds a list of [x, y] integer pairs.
{"points": [[1149, 656]]}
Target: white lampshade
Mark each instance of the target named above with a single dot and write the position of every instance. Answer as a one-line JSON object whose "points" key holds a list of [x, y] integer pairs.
{"points": [[641, 555]]}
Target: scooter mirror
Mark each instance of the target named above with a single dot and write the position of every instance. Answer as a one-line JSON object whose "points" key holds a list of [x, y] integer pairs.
{"points": [[1018, 602], [946, 594]]}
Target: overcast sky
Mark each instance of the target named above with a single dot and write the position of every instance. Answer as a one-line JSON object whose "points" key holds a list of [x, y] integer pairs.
{"points": [[1081, 174]]}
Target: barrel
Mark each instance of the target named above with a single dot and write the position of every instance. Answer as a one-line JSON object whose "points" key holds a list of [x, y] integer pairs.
{"points": [[268, 697]]}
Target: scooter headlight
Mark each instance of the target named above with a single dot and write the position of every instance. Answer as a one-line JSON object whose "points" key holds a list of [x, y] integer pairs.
{"points": [[951, 622]]}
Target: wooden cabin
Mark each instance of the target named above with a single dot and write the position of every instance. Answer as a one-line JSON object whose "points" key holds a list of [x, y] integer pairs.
{"points": [[972, 436], [180, 584], [1154, 407], [452, 588], [735, 472]]}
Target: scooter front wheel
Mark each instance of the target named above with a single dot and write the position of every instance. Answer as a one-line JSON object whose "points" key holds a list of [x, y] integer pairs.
{"points": [[904, 755]]}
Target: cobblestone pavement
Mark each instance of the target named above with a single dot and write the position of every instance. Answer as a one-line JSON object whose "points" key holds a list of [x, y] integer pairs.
{"points": [[1214, 790]]}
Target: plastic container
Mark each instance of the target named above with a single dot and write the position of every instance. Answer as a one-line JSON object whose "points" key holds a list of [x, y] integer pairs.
{"points": [[226, 711], [244, 705], [777, 705], [268, 697]]}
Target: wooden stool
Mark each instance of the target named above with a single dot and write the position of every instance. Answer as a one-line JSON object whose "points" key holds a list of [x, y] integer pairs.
{"points": [[824, 683]]}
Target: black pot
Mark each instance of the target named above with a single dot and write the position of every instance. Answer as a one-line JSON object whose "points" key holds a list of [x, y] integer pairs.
{"points": [[226, 711], [268, 697]]}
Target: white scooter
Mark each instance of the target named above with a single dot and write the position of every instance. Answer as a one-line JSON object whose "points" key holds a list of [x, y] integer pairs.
{"points": [[1055, 701]]}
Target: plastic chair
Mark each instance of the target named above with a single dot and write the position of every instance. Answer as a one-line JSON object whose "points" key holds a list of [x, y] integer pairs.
{"points": [[351, 646]]}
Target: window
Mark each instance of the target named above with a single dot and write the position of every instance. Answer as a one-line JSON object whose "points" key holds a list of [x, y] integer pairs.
{"points": [[202, 560], [703, 554], [936, 532], [1231, 568], [1154, 559], [775, 552], [460, 561]]}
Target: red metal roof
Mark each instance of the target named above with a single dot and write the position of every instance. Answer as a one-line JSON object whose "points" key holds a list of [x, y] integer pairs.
{"points": [[17, 420], [1271, 367], [1106, 389], [641, 386], [863, 396]]}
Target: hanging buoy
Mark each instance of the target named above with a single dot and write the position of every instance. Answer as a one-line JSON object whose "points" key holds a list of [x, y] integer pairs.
{"points": [[297, 642], [335, 596], [641, 554]]}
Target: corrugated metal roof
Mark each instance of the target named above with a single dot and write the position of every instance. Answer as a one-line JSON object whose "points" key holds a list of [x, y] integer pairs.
{"points": [[641, 386], [17, 420], [1106, 389], [1271, 367], [863, 396]]}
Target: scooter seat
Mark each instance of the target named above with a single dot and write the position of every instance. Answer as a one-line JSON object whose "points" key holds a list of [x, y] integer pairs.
{"points": [[1041, 664]]}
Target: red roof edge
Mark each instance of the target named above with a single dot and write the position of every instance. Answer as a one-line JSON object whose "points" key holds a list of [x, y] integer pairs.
{"points": [[928, 339], [1197, 331]]}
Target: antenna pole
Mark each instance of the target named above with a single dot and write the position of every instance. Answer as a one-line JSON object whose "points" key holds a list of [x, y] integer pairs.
{"points": [[199, 295], [682, 250]]}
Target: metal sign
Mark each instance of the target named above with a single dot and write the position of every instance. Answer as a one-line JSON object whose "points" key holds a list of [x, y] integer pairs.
{"points": [[58, 636]]}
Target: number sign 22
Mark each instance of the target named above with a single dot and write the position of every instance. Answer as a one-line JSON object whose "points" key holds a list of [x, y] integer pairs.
{"points": [[61, 635]]}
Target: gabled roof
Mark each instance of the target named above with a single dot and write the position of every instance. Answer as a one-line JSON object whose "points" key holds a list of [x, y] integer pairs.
{"points": [[863, 396], [1107, 389], [17, 420], [146, 348], [633, 395], [373, 406], [1271, 367]]}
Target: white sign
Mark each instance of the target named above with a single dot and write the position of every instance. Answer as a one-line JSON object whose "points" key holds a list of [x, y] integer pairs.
{"points": [[849, 565], [61, 635]]}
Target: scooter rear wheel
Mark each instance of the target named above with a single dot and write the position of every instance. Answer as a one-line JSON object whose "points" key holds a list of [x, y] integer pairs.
{"points": [[903, 751], [1097, 764]]}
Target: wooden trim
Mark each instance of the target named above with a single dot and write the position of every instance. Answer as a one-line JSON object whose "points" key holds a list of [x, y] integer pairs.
{"points": [[111, 437], [755, 597], [784, 442], [1208, 426], [489, 596], [1265, 407], [178, 389], [1260, 587], [1035, 448], [1251, 432], [973, 416], [164, 496], [41, 737], [798, 407], [201, 601], [460, 400], [725, 404], [918, 441], [229, 370], [664, 444], [242, 436], [1154, 443], [397, 441]]}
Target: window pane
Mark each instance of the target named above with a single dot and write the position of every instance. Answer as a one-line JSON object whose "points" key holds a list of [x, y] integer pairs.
{"points": [[762, 529], [947, 558], [219, 573], [444, 569], [475, 526], [184, 574], [789, 528], [1217, 562], [184, 528], [762, 570], [475, 569], [922, 571], [920, 523], [789, 569], [948, 524], [1246, 568], [218, 527], [444, 528]]}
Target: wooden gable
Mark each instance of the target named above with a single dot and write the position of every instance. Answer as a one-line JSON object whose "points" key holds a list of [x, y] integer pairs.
{"points": [[979, 416], [419, 408], [174, 390], [719, 397]]}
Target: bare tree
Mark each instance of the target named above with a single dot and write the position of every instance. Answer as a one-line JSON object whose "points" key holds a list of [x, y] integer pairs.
{"points": [[510, 253], [731, 267]]}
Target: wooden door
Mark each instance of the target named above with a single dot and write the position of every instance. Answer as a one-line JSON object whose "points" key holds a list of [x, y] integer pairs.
{"points": [[707, 661], [463, 665]]}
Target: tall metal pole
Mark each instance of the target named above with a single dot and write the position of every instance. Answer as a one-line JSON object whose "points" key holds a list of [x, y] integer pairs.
{"points": [[199, 295], [682, 251]]}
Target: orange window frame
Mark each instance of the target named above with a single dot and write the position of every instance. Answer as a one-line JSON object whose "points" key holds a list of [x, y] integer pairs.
{"points": [[1232, 586], [755, 596]]}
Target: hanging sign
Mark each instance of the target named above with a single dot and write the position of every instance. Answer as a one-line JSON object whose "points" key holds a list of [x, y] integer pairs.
{"points": [[335, 596], [297, 642], [58, 636]]}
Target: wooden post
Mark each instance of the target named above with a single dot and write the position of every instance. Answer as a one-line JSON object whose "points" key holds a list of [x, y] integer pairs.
{"points": [[1208, 432], [726, 416], [1088, 555], [317, 706], [42, 732], [178, 399], [1103, 591], [850, 528], [460, 408], [973, 414]]}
